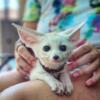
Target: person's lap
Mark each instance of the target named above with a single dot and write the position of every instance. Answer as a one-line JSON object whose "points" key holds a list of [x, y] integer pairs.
{"points": [[38, 90]]}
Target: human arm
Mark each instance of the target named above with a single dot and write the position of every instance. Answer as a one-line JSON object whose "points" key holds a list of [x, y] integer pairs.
{"points": [[24, 56], [39, 90]]}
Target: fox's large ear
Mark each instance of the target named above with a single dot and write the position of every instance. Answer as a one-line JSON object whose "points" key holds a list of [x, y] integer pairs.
{"points": [[73, 33], [75, 37], [27, 36]]}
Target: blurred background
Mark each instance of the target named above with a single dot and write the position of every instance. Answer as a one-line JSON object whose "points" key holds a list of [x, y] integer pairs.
{"points": [[11, 11]]}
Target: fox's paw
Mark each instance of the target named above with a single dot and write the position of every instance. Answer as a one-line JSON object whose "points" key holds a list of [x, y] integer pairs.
{"points": [[58, 88]]}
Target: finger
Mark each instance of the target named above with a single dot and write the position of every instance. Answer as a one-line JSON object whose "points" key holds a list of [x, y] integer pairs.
{"points": [[18, 43], [94, 79], [72, 65], [87, 58], [80, 51], [90, 68], [81, 42], [26, 55], [22, 72], [87, 69], [21, 62]]}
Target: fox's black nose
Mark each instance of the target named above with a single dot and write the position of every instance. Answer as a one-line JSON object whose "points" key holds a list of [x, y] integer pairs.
{"points": [[56, 57]]}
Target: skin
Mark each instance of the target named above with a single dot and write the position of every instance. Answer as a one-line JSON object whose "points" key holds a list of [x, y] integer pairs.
{"points": [[31, 90], [8, 79]]}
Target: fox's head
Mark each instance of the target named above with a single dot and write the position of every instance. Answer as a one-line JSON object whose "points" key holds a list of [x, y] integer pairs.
{"points": [[51, 49]]}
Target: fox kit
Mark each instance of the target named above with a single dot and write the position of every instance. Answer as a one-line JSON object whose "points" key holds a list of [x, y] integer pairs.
{"points": [[52, 51]]}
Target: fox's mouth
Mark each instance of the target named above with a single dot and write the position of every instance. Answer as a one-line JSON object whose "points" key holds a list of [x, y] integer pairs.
{"points": [[55, 62], [58, 61], [51, 70]]}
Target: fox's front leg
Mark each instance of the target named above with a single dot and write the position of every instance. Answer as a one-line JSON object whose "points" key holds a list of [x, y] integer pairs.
{"points": [[65, 79], [55, 85]]}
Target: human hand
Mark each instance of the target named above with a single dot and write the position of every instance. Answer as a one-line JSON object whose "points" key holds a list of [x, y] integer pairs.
{"points": [[88, 56], [24, 58]]}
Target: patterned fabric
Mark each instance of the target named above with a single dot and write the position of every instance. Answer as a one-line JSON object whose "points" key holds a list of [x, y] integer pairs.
{"points": [[32, 13], [61, 14]]}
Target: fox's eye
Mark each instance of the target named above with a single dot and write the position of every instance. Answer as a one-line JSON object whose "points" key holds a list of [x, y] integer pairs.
{"points": [[62, 47], [46, 48]]}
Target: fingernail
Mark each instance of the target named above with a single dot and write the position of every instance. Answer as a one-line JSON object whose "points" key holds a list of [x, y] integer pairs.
{"points": [[76, 74], [27, 77], [90, 82], [72, 58], [27, 67], [72, 65], [31, 62], [27, 71], [23, 74], [81, 43]]}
